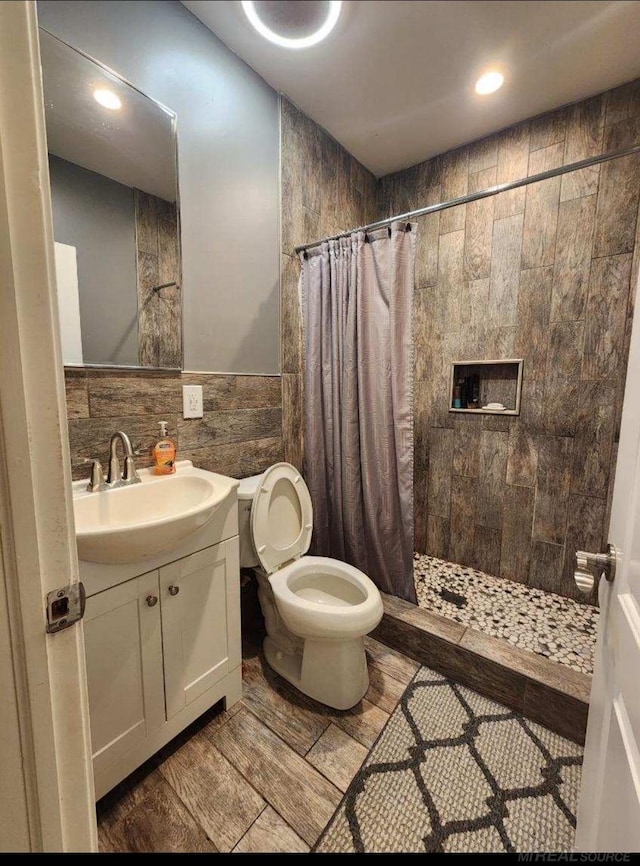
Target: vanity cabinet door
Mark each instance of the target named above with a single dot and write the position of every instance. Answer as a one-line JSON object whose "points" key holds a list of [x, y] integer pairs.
{"points": [[123, 649], [200, 597]]}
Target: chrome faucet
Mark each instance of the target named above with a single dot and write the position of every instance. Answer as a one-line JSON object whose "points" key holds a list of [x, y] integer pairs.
{"points": [[129, 475]]}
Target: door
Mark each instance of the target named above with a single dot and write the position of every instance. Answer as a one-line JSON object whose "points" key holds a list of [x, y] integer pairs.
{"points": [[42, 676], [200, 622], [609, 810], [123, 649]]}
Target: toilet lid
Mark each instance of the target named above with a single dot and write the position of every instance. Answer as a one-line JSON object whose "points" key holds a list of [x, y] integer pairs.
{"points": [[281, 517]]}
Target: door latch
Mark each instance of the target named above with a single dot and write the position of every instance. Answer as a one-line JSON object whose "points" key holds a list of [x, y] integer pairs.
{"points": [[65, 607]]}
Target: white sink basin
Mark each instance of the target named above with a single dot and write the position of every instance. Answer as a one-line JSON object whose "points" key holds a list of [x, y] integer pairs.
{"points": [[131, 524]]}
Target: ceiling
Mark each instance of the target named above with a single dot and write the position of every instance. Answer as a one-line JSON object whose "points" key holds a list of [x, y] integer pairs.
{"points": [[394, 81], [134, 145]]}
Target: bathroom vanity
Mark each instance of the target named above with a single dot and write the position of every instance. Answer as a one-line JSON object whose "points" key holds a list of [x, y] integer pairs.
{"points": [[162, 634]]}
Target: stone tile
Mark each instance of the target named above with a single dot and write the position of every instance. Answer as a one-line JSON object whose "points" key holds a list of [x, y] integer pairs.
{"points": [[576, 221], [592, 450], [505, 270], [269, 834], [290, 320], [301, 795], [450, 278], [553, 483], [293, 420], [548, 129], [420, 506], [545, 158], [421, 617], [618, 196], [160, 823], [362, 722], [479, 228], [337, 756], [466, 451], [587, 527], [218, 797], [483, 154], [564, 368], [515, 620], [237, 459], [494, 450], [623, 103], [390, 662], [522, 463], [462, 520], [438, 535], [475, 301], [426, 265], [513, 164], [110, 397], [606, 317], [487, 549], [533, 315], [540, 222], [287, 712], [515, 551], [546, 565], [548, 707], [77, 395], [233, 426], [440, 460], [584, 138], [454, 167]]}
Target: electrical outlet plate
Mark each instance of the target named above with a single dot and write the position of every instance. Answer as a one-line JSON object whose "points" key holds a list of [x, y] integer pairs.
{"points": [[192, 401]]}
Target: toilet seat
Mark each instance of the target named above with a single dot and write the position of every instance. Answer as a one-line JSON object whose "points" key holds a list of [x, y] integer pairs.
{"points": [[322, 597], [281, 517]]}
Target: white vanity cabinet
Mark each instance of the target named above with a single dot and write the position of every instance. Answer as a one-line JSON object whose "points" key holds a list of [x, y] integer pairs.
{"points": [[161, 647]]}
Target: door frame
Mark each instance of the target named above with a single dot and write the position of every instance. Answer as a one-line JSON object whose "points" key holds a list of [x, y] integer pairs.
{"points": [[37, 538]]}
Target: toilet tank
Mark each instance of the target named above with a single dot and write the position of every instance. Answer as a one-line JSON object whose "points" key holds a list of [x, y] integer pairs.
{"points": [[246, 492]]}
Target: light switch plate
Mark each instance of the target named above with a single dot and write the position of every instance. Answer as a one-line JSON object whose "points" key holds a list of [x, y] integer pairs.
{"points": [[192, 401]]}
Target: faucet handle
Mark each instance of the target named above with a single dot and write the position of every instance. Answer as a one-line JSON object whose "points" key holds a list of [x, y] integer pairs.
{"points": [[97, 481]]}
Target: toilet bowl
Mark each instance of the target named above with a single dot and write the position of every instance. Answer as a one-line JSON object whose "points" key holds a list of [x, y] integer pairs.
{"points": [[316, 609]]}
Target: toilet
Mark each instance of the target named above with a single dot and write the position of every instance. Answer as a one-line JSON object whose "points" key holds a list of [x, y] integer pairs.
{"points": [[317, 610]]}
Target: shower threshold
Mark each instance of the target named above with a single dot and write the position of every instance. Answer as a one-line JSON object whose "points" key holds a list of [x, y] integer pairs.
{"points": [[550, 625]]}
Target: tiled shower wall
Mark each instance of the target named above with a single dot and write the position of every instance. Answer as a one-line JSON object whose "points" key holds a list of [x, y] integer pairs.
{"points": [[324, 191], [543, 273]]}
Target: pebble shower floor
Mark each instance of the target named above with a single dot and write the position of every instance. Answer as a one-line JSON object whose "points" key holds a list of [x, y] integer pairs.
{"points": [[532, 619]]}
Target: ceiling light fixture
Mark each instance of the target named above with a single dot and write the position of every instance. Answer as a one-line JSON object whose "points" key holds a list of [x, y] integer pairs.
{"points": [[107, 99], [489, 83], [286, 42]]}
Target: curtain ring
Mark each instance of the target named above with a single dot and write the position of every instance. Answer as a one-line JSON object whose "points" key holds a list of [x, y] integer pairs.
{"points": [[389, 230]]}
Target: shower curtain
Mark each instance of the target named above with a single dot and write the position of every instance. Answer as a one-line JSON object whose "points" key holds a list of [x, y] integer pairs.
{"points": [[357, 297]]}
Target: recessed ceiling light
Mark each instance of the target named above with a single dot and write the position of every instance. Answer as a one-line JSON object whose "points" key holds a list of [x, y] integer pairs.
{"points": [[489, 82], [325, 28], [107, 99]]}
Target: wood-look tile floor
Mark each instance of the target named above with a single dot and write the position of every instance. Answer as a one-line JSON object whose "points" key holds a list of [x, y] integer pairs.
{"points": [[265, 776]]}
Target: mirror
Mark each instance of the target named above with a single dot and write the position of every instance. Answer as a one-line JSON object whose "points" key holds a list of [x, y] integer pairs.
{"points": [[114, 191]]}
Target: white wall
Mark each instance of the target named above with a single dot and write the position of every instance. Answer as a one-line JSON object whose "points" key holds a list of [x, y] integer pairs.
{"points": [[228, 152]]}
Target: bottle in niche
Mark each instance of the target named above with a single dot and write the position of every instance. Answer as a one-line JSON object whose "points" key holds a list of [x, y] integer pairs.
{"points": [[458, 394], [473, 391], [164, 453]]}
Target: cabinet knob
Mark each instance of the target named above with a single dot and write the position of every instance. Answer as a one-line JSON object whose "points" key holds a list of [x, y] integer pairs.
{"points": [[174, 590], [152, 600]]}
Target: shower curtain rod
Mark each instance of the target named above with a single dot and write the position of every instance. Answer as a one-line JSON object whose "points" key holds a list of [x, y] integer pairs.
{"points": [[476, 196]]}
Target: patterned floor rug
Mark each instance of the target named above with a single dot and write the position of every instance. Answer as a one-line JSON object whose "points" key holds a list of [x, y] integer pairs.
{"points": [[455, 772]]}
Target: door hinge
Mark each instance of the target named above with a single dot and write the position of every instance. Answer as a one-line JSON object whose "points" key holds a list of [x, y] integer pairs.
{"points": [[65, 607]]}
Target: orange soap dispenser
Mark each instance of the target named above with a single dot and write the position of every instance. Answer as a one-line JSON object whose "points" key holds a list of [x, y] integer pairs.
{"points": [[164, 453]]}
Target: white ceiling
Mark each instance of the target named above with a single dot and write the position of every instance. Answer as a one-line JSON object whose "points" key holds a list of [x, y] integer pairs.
{"points": [[134, 145], [394, 81]]}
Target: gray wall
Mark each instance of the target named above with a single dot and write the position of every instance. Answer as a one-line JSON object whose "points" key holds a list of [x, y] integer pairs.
{"points": [[96, 215], [228, 150]]}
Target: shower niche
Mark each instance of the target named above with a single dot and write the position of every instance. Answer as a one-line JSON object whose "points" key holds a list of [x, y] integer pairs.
{"points": [[486, 387]]}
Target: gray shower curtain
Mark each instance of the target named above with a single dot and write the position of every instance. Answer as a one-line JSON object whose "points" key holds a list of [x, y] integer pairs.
{"points": [[357, 295]]}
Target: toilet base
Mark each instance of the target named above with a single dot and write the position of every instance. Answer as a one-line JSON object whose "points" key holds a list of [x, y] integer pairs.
{"points": [[333, 672]]}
